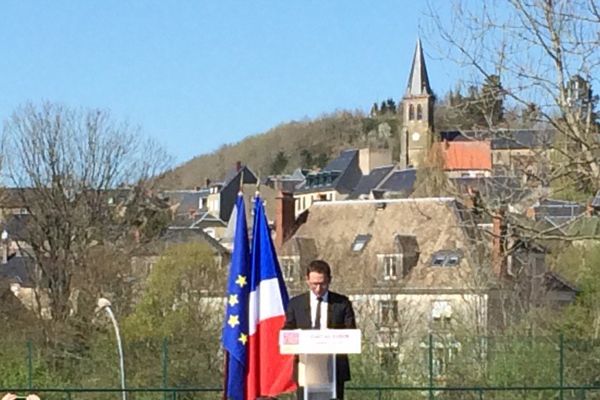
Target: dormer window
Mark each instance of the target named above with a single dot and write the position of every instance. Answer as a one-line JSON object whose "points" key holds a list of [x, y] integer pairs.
{"points": [[391, 267], [360, 241], [446, 258], [452, 260], [438, 260]]}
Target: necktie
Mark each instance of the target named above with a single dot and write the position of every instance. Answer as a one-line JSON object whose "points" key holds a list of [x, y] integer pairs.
{"points": [[318, 317]]}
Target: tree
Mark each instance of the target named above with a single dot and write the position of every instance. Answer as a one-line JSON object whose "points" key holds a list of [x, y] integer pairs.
{"points": [[391, 105], [431, 180], [85, 180], [535, 47], [279, 163], [182, 301], [383, 109], [492, 100]]}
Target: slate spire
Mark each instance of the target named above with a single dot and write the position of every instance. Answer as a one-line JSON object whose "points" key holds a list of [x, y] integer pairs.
{"points": [[418, 81]]}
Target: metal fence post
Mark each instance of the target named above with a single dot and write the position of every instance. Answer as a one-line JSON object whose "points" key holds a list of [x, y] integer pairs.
{"points": [[430, 366], [165, 366], [29, 365], [561, 365]]}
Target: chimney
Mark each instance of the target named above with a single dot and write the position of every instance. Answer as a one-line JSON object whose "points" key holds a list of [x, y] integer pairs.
{"points": [[284, 217], [499, 244], [5, 243], [238, 166], [207, 182]]}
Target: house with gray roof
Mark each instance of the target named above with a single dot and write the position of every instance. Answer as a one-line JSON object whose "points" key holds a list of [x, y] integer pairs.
{"points": [[514, 151], [351, 175], [399, 184], [411, 266], [368, 183], [334, 182]]}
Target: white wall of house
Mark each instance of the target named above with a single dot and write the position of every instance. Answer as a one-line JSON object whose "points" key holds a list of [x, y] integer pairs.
{"points": [[304, 200]]}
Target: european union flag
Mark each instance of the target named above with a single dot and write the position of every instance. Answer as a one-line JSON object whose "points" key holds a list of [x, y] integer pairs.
{"points": [[235, 327]]}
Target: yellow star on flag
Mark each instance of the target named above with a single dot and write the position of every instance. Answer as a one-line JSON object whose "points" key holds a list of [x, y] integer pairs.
{"points": [[241, 280], [233, 300], [233, 320], [243, 338]]}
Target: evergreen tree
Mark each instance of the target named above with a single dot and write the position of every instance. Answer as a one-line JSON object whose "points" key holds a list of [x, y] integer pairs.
{"points": [[374, 110], [391, 105], [383, 109], [279, 163], [492, 101]]}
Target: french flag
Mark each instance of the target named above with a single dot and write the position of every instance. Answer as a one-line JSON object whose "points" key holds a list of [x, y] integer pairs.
{"points": [[269, 373]]}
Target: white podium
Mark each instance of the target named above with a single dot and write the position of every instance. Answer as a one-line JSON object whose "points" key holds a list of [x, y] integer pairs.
{"points": [[316, 349]]}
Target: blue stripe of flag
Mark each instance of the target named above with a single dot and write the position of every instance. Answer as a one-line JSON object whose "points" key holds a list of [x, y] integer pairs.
{"points": [[235, 326]]}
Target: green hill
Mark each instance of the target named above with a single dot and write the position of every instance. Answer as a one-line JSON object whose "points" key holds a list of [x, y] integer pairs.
{"points": [[288, 146]]}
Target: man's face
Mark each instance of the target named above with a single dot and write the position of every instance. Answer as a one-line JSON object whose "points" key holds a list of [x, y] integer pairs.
{"points": [[318, 283]]}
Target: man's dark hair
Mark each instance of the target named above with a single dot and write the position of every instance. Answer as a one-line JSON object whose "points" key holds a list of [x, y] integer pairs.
{"points": [[320, 267]]}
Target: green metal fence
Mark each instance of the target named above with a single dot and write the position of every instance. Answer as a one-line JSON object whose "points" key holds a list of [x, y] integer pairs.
{"points": [[352, 393], [430, 367]]}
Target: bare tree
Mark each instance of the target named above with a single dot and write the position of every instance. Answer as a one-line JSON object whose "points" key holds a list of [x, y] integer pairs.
{"points": [[84, 180], [542, 51]]}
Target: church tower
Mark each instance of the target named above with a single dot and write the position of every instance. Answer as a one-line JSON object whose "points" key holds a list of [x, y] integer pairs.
{"points": [[417, 112]]}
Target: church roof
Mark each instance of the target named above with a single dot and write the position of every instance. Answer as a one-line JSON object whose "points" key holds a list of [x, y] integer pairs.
{"points": [[418, 81]]}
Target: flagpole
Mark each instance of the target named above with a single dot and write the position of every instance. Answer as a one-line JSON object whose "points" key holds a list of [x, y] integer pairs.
{"points": [[225, 373], [235, 326]]}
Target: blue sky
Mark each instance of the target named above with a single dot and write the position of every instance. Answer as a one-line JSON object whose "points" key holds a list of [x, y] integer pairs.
{"points": [[198, 74]]}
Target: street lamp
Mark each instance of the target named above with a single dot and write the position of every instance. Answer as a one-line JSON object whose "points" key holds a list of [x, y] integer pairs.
{"points": [[104, 304]]}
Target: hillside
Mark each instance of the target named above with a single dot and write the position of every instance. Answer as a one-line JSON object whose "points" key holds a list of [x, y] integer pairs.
{"points": [[289, 146]]}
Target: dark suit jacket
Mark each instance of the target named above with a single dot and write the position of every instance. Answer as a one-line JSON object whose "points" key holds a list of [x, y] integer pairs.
{"points": [[340, 315]]}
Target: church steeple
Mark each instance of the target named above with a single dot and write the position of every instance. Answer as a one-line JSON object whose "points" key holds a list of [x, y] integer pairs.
{"points": [[418, 81], [417, 110]]}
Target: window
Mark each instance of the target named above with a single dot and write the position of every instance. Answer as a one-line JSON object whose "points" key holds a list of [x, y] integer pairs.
{"points": [[411, 112], [289, 267], [389, 357], [388, 312], [452, 260], [441, 315], [446, 258], [360, 241], [390, 267], [419, 112], [443, 352], [438, 260]]}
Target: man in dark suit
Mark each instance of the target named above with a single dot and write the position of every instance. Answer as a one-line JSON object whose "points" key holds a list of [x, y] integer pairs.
{"points": [[320, 309]]}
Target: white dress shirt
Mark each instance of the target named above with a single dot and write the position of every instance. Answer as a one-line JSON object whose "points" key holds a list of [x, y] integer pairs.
{"points": [[313, 309]]}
